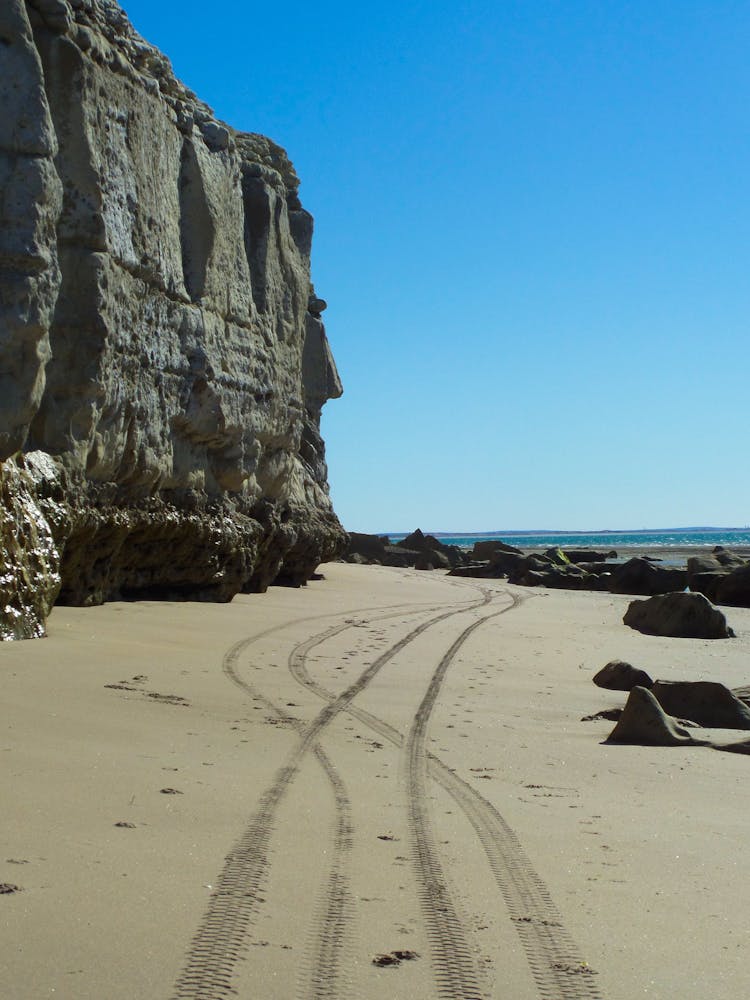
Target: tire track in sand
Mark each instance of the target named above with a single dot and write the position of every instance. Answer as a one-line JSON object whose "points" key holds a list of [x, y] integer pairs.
{"points": [[455, 967], [552, 955], [221, 940]]}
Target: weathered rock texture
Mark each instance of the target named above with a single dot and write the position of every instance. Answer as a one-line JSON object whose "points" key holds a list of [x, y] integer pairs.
{"points": [[160, 337], [706, 702], [644, 722], [684, 616], [29, 560]]}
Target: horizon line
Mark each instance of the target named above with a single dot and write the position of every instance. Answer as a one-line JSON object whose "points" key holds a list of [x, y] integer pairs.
{"points": [[573, 531]]}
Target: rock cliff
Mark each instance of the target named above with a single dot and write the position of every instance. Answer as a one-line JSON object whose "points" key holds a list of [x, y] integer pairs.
{"points": [[162, 351]]}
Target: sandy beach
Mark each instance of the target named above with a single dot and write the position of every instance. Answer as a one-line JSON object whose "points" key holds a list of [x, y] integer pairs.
{"points": [[375, 786]]}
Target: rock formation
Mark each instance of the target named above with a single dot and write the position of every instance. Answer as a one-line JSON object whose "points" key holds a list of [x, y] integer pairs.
{"points": [[682, 615], [706, 702], [644, 722], [617, 675], [160, 338], [640, 576], [417, 549]]}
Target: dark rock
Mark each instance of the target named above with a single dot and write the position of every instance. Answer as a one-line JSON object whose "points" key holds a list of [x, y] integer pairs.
{"points": [[639, 576], [645, 723], [704, 573], [538, 571], [448, 555], [725, 557], [707, 584], [475, 570], [377, 549], [402, 558], [505, 563], [357, 558], [705, 564], [367, 547], [620, 676], [705, 702], [708, 574], [734, 589], [597, 567], [689, 616], [316, 306], [432, 560], [588, 555], [743, 693], [486, 549]]}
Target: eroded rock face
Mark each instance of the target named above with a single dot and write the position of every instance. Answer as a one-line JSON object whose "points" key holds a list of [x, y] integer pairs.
{"points": [[645, 723], [29, 560], [159, 333]]}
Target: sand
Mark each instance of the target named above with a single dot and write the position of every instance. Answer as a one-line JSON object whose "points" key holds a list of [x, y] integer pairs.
{"points": [[378, 785]]}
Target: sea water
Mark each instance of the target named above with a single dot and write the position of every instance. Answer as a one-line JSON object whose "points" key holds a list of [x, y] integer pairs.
{"points": [[604, 540]]}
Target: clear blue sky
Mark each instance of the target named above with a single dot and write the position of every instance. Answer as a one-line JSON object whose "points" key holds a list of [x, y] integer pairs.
{"points": [[532, 230]]}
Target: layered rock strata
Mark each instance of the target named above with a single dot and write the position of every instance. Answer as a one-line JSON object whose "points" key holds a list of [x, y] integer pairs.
{"points": [[160, 337]]}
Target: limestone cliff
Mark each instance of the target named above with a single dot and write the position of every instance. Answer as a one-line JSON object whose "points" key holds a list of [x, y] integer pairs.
{"points": [[160, 337]]}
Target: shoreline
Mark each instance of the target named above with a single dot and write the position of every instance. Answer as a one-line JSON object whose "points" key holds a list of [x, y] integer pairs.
{"points": [[152, 748], [677, 555]]}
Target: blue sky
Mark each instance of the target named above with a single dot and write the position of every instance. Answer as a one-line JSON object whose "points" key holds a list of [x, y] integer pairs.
{"points": [[532, 230]]}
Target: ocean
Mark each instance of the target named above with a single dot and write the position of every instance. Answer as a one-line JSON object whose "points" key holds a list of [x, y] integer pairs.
{"points": [[663, 538]]}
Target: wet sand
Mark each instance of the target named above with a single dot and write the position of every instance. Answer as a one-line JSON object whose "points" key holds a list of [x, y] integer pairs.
{"points": [[375, 786]]}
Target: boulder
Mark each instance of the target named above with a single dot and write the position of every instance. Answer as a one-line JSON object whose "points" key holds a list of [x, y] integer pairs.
{"points": [[541, 571], [704, 574], [588, 555], [640, 576], [725, 557], [368, 548], [486, 549], [734, 589], [707, 574], [557, 557], [689, 616], [377, 549], [617, 675], [432, 560], [506, 563], [448, 555], [705, 702], [475, 570], [645, 723]]}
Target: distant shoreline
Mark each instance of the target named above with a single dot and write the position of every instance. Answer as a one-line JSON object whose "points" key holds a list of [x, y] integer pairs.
{"points": [[672, 545], [517, 532]]}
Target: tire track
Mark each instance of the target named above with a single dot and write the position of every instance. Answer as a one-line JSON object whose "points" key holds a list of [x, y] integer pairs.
{"points": [[456, 971], [221, 940], [553, 957]]}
